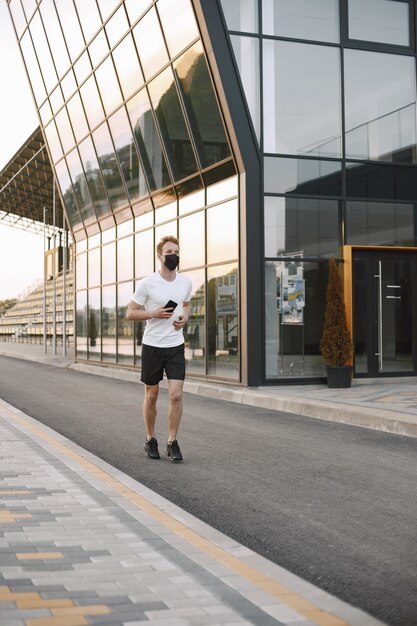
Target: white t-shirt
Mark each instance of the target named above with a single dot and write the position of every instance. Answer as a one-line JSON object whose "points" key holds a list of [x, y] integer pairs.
{"points": [[153, 292]]}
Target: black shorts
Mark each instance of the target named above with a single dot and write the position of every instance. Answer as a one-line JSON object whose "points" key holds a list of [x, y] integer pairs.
{"points": [[156, 360]]}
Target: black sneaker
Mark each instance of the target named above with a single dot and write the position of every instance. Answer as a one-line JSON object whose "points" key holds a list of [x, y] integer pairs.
{"points": [[173, 451], [151, 448]]}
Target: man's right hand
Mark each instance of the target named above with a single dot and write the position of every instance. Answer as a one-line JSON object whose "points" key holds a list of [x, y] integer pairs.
{"points": [[162, 313]]}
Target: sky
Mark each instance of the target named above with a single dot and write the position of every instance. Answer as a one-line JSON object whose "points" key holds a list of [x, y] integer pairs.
{"points": [[21, 252]]}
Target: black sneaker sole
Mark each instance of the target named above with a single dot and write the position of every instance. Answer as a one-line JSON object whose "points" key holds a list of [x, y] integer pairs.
{"points": [[174, 460]]}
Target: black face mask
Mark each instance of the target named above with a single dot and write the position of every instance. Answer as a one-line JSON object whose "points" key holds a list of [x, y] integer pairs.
{"points": [[171, 261]]}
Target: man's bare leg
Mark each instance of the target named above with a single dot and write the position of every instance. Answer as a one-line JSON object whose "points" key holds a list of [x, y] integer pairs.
{"points": [[175, 407], [149, 409]]}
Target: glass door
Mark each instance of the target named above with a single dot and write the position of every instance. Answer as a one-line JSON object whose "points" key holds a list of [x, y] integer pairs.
{"points": [[384, 313]]}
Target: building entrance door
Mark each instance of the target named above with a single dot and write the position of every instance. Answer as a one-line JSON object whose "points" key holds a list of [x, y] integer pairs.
{"points": [[384, 313]]}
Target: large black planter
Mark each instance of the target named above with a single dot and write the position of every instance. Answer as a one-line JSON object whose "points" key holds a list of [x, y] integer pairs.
{"points": [[339, 377]]}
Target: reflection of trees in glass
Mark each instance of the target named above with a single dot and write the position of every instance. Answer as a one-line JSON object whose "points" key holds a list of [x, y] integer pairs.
{"points": [[92, 327], [223, 314], [195, 330], [109, 321]]}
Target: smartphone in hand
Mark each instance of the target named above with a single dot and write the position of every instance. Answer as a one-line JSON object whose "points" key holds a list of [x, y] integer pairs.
{"points": [[171, 305]]}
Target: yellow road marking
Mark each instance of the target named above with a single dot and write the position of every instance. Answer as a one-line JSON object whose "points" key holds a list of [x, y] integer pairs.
{"points": [[39, 555], [269, 585]]}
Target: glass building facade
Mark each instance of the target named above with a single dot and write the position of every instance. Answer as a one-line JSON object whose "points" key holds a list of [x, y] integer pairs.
{"points": [[268, 135]]}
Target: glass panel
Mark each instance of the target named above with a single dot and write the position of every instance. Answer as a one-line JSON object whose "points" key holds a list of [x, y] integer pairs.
{"points": [[144, 220], [174, 132], [98, 48], [380, 224], [65, 130], [302, 105], [109, 322], [125, 229], [302, 176], [127, 154], [125, 342], [195, 330], [68, 85], [68, 194], [201, 106], [94, 267], [135, 8], [93, 175], [108, 235], [18, 16], [172, 14], [81, 271], [170, 228], [82, 68], [165, 213], [43, 53], [108, 85], [361, 315], [192, 241], [125, 258], [80, 187], [108, 260], [127, 66], [33, 68], [246, 51], [191, 202], [380, 94], [109, 167], [89, 17], [147, 139], [302, 19], [222, 191], [144, 253], [81, 324], [373, 20], [223, 321], [106, 7], [292, 346], [77, 115], [301, 227], [92, 104], [390, 182], [241, 15], [70, 26], [55, 36], [54, 144], [94, 325], [117, 26], [150, 44], [222, 232], [29, 7], [45, 112], [56, 99]]}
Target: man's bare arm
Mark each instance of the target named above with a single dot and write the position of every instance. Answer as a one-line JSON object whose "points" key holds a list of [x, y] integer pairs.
{"points": [[136, 313]]}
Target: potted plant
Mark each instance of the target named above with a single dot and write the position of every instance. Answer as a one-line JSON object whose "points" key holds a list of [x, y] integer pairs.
{"points": [[92, 330], [336, 342]]}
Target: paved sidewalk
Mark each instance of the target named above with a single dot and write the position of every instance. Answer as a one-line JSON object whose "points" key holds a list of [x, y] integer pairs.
{"points": [[82, 543], [385, 404]]}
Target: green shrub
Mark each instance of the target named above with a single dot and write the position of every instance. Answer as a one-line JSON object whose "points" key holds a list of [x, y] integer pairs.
{"points": [[336, 343]]}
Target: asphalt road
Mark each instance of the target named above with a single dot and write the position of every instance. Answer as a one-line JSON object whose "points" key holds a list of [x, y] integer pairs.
{"points": [[335, 504]]}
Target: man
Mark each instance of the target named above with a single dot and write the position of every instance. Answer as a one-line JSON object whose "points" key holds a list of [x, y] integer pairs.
{"points": [[163, 300]]}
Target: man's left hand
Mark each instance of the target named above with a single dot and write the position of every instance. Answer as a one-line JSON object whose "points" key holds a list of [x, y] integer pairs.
{"points": [[180, 322]]}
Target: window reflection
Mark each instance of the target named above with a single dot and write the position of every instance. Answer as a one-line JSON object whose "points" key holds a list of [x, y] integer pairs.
{"points": [[94, 325], [98, 48], [201, 106], [373, 180], [65, 130], [33, 68], [172, 125], [93, 175], [150, 44], [92, 104], [109, 322], [82, 68], [241, 15], [172, 14], [45, 112], [108, 235], [246, 51], [127, 66], [135, 8], [108, 85], [77, 115], [117, 26], [80, 186], [166, 212], [222, 232], [128, 157], [54, 143], [302, 19], [18, 16], [68, 84], [70, 26], [43, 53], [195, 330], [388, 22], [89, 17], [380, 224], [147, 140], [29, 6], [144, 252], [301, 226], [191, 202], [68, 194], [223, 321], [302, 176], [108, 262], [55, 36], [56, 99], [94, 267], [192, 240], [380, 94], [125, 258], [106, 7], [125, 343], [109, 167], [81, 271], [222, 191], [301, 99], [81, 324]]}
